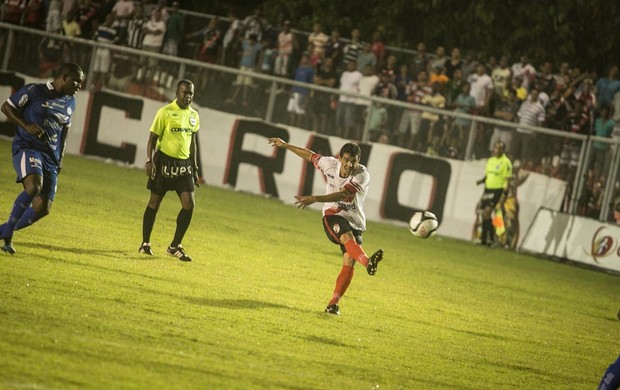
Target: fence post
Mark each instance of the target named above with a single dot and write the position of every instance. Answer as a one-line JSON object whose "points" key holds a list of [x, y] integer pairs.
{"points": [[611, 182], [470, 140], [579, 175], [272, 102], [366, 131], [9, 48]]}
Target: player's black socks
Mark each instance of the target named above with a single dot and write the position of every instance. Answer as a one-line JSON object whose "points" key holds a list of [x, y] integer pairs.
{"points": [[183, 220], [487, 231], [147, 223]]}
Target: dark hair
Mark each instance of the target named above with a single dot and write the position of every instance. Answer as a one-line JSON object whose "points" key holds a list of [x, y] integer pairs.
{"points": [[69, 68], [184, 82], [352, 149]]}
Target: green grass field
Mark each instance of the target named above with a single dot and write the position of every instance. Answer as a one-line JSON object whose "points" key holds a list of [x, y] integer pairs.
{"points": [[80, 308]]}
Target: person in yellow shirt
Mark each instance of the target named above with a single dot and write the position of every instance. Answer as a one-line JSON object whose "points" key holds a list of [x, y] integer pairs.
{"points": [[497, 177], [172, 165]]}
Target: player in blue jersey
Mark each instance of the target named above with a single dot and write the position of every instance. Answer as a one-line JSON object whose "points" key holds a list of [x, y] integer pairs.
{"points": [[42, 113]]}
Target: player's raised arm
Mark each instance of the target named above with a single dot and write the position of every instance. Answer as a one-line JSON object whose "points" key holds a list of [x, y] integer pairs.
{"points": [[304, 153]]}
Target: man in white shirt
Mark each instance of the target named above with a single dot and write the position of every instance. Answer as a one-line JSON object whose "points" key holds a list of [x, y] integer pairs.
{"points": [[344, 220], [481, 87], [345, 113]]}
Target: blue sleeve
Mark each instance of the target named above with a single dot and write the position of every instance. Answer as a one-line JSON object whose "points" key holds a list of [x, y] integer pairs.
{"points": [[611, 377], [22, 97]]}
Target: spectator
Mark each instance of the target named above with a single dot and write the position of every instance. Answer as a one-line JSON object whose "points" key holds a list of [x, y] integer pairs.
{"points": [[67, 7], [470, 64], [233, 32], [454, 87], [124, 10], [70, 26], [87, 18], [103, 58], [377, 120], [603, 127], [606, 87], [506, 110], [34, 13], [286, 43], [323, 103], [455, 62], [439, 60], [251, 49], [154, 31], [420, 59], [334, 47], [174, 31], [316, 44], [460, 127], [430, 122], [366, 87], [378, 47], [352, 49], [256, 25], [501, 76], [366, 57], [410, 120], [438, 75], [135, 29], [531, 113], [53, 21], [349, 82], [211, 40], [14, 11], [481, 89], [545, 79], [300, 95], [524, 69]]}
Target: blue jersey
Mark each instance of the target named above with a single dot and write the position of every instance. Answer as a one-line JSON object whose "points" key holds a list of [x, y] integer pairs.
{"points": [[42, 105]]}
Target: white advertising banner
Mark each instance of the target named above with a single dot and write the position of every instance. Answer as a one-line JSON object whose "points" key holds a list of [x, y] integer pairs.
{"points": [[234, 153], [574, 238]]}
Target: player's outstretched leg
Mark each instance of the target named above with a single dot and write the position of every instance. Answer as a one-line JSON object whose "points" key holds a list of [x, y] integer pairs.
{"points": [[333, 309], [373, 262]]}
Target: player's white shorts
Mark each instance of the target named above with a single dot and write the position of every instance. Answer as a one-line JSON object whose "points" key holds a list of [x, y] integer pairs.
{"points": [[102, 60]]}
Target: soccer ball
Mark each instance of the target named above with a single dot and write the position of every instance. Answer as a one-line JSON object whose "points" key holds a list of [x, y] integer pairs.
{"points": [[423, 224]]}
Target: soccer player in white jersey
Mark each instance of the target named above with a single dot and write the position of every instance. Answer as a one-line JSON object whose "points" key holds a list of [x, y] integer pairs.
{"points": [[343, 210]]}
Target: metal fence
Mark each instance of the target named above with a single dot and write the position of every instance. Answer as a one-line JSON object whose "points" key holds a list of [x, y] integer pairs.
{"points": [[567, 156]]}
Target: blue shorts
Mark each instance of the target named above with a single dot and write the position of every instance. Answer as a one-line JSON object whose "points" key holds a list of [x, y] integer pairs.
{"points": [[34, 162]]}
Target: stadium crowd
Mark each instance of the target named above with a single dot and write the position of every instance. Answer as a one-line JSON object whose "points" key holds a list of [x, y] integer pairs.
{"points": [[555, 96]]}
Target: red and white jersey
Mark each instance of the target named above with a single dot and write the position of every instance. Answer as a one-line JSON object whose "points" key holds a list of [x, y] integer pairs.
{"points": [[351, 208]]}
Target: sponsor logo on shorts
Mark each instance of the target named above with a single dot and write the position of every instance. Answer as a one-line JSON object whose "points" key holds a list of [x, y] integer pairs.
{"points": [[34, 162], [172, 171], [336, 228]]}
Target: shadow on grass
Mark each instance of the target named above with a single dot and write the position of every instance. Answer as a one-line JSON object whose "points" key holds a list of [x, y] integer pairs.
{"points": [[115, 254], [240, 304]]}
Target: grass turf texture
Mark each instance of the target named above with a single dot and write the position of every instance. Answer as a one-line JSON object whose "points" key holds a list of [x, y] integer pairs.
{"points": [[80, 308]]}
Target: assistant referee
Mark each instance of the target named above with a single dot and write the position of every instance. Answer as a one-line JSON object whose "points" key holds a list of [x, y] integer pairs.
{"points": [[497, 177]]}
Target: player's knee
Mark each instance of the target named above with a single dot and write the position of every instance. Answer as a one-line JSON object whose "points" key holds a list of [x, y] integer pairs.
{"points": [[346, 237]]}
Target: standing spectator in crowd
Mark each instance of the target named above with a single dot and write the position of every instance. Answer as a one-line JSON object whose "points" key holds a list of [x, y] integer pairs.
{"points": [[524, 69], [438, 75], [174, 31], [545, 79], [470, 64], [563, 77], [501, 76], [255, 24], [124, 10], [14, 11], [531, 113], [154, 31], [464, 103], [506, 110], [430, 122], [345, 113], [410, 121], [53, 21], [211, 37], [366, 87], [106, 33], [42, 113], [334, 47], [420, 59], [352, 49], [233, 32], [343, 210], [300, 95], [606, 87], [286, 43], [34, 14], [323, 103], [481, 89], [366, 57], [68, 6], [440, 59], [386, 87], [70, 26], [378, 47], [249, 58], [135, 29], [401, 80], [454, 87], [87, 18], [496, 180], [316, 43], [455, 62], [603, 127], [172, 165]]}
